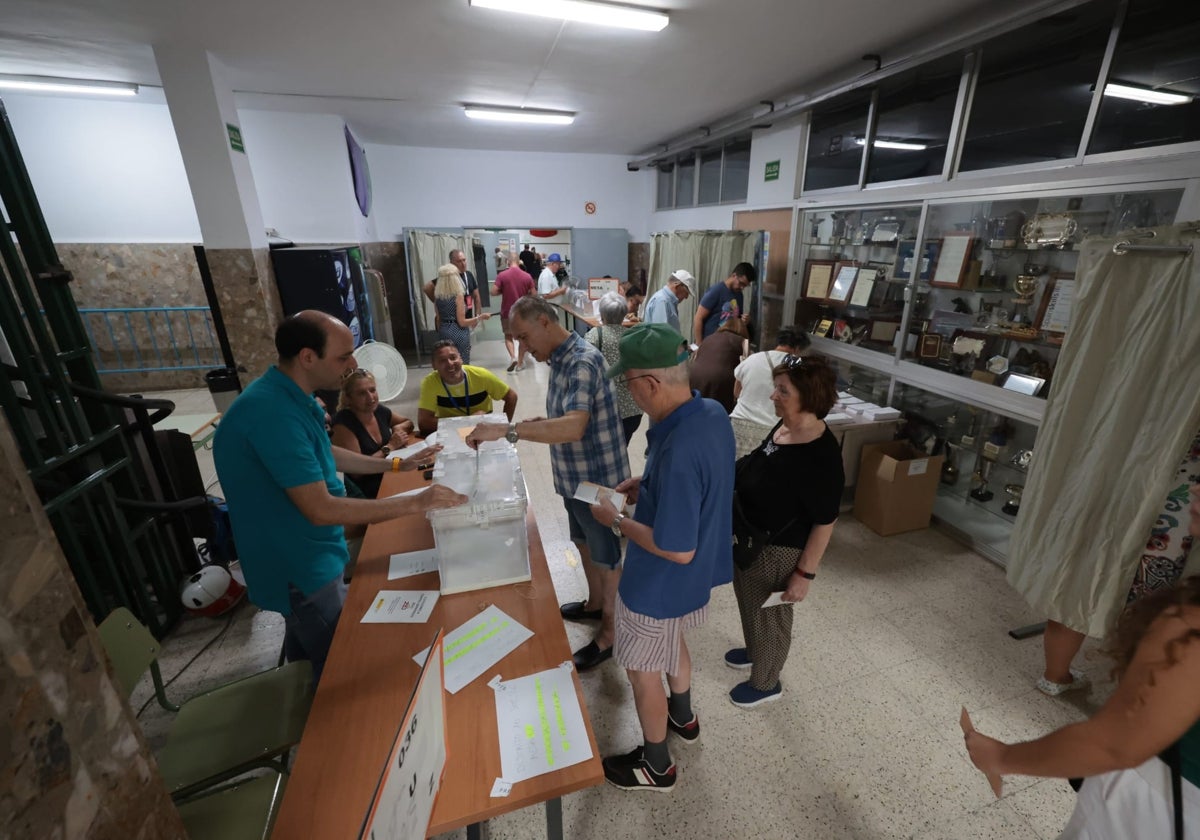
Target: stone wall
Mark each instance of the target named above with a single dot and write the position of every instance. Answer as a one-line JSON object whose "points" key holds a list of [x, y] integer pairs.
{"points": [[639, 262], [73, 762]]}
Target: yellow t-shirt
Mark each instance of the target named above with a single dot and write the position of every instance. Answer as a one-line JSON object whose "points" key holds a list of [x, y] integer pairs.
{"points": [[473, 395]]}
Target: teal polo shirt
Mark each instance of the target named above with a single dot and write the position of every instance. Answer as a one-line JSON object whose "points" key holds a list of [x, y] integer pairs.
{"points": [[272, 438]]}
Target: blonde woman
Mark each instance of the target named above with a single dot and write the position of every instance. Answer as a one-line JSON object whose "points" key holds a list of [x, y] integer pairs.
{"points": [[450, 300]]}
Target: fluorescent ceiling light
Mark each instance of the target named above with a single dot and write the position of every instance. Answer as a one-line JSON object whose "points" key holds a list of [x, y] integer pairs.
{"points": [[583, 11], [50, 84], [519, 115], [893, 144], [1139, 94]]}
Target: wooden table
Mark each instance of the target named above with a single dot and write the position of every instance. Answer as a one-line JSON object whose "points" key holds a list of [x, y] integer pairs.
{"points": [[368, 681]]}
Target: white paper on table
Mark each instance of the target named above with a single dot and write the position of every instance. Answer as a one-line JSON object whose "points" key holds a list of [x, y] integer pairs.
{"points": [[410, 450], [477, 645], [775, 599], [501, 788], [540, 725], [412, 563], [592, 493], [414, 492], [392, 606]]}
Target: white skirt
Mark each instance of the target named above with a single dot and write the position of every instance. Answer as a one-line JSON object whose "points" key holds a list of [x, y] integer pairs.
{"points": [[1128, 804]]}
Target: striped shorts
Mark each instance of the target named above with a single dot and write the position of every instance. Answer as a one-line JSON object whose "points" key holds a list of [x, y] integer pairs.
{"points": [[650, 644]]}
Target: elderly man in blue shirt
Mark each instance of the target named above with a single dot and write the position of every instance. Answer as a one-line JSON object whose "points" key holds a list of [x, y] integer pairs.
{"points": [[680, 546], [287, 505], [663, 305], [587, 443]]}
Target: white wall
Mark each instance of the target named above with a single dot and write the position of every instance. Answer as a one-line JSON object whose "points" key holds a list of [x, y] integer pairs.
{"points": [[777, 143], [423, 187], [302, 175], [104, 171]]}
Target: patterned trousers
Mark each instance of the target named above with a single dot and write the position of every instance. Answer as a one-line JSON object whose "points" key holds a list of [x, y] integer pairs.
{"points": [[768, 632]]}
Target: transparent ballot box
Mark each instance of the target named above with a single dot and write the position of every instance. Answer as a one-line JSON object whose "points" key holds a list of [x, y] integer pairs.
{"points": [[484, 542]]}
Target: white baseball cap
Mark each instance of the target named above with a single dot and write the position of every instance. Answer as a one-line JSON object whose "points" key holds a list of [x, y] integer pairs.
{"points": [[685, 277]]}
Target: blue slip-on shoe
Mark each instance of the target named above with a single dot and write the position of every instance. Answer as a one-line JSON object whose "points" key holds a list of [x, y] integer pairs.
{"points": [[745, 696], [738, 659]]}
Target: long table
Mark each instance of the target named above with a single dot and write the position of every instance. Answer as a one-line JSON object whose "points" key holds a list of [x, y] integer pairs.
{"points": [[369, 678]]}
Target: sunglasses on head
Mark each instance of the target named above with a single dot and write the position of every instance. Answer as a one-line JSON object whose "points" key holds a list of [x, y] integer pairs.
{"points": [[792, 361]]}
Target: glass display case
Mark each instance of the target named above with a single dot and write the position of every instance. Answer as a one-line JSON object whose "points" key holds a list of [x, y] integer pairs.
{"points": [[987, 456], [994, 303], [855, 266]]}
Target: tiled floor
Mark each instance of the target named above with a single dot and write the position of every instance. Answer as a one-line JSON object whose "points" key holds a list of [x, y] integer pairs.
{"points": [[896, 636]]}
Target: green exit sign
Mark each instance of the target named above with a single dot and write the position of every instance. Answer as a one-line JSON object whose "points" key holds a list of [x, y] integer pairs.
{"points": [[235, 138], [772, 171]]}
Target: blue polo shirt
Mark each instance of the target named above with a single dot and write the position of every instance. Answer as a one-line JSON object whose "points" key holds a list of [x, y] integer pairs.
{"points": [[272, 438], [686, 496]]}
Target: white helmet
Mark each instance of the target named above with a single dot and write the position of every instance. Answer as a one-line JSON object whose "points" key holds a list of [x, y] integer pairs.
{"points": [[211, 591]]}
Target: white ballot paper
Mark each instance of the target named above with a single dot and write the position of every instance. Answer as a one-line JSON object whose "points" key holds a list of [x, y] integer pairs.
{"points": [[392, 606], [409, 451], [413, 492], [412, 563], [540, 724], [477, 645], [775, 599], [594, 493]]}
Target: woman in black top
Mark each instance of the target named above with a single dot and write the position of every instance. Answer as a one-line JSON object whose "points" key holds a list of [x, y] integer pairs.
{"points": [[791, 486], [363, 425]]}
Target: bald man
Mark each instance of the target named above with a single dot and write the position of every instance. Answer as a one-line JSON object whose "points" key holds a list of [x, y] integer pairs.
{"points": [[287, 505]]}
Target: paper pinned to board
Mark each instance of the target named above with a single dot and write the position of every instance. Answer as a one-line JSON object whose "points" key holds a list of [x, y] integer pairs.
{"points": [[412, 563], [964, 720]]}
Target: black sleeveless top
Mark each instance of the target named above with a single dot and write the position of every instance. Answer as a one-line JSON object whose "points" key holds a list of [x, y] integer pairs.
{"points": [[369, 484]]}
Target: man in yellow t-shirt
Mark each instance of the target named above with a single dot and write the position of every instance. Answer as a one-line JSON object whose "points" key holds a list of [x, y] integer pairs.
{"points": [[458, 390]]}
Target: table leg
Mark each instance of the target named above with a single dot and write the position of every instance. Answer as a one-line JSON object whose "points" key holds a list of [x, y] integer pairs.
{"points": [[477, 831], [554, 828]]}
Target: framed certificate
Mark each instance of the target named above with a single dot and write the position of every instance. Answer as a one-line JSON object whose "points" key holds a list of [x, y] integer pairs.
{"points": [[1054, 314], [864, 284], [930, 346], [952, 261], [818, 276], [843, 282]]}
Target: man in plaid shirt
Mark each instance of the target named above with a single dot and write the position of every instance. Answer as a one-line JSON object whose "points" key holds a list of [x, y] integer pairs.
{"points": [[586, 441]]}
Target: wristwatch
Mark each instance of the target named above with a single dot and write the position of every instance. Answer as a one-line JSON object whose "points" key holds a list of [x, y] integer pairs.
{"points": [[511, 437], [386, 450], [616, 524]]}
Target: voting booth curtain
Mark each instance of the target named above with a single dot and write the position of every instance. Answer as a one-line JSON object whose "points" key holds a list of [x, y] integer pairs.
{"points": [[708, 254], [1122, 410], [427, 252]]}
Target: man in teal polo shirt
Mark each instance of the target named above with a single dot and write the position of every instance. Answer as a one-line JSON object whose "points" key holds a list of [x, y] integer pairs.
{"points": [[279, 474]]}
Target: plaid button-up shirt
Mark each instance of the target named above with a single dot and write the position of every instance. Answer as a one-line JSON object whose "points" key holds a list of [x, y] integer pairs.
{"points": [[577, 383]]}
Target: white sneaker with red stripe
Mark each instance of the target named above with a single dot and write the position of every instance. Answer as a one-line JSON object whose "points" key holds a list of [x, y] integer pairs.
{"points": [[631, 772]]}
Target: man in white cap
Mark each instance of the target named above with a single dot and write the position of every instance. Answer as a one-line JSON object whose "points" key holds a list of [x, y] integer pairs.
{"points": [[663, 305]]}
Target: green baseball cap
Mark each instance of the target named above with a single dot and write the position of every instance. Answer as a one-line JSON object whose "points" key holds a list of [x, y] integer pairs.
{"points": [[650, 346]]}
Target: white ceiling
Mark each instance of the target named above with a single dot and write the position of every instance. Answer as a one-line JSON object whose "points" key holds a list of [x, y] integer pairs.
{"points": [[398, 69]]}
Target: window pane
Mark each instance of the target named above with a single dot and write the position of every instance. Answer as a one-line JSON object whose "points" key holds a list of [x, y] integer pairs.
{"points": [[710, 177], [834, 155], [737, 170], [1157, 49], [666, 184], [1034, 90], [915, 108], [685, 184]]}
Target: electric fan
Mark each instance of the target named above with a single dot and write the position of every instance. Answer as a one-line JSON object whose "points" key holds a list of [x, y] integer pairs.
{"points": [[387, 366]]}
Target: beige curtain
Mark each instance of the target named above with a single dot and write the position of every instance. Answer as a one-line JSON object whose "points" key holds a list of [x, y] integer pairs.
{"points": [[1125, 402], [427, 252], [708, 254]]}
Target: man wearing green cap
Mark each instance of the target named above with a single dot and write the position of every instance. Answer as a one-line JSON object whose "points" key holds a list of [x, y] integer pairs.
{"points": [[680, 546]]}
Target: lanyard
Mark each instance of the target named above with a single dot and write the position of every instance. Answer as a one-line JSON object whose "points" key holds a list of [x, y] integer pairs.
{"points": [[466, 406]]}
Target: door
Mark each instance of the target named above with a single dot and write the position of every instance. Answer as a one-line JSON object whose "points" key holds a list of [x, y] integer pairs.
{"points": [[772, 286]]}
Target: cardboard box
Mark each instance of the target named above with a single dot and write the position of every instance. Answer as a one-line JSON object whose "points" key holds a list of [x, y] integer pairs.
{"points": [[896, 487]]}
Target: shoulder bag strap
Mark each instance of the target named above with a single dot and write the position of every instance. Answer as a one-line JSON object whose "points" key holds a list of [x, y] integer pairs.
{"points": [[1173, 760]]}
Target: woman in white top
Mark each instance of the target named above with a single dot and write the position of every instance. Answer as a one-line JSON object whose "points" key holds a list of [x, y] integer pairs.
{"points": [[754, 415]]}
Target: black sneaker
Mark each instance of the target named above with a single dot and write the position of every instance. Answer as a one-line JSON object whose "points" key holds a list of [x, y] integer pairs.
{"points": [[631, 772], [689, 732]]}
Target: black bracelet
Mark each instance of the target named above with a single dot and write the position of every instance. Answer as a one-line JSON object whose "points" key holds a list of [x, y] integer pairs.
{"points": [[806, 575]]}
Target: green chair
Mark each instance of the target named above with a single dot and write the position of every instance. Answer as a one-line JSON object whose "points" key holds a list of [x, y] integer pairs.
{"points": [[244, 810], [222, 733]]}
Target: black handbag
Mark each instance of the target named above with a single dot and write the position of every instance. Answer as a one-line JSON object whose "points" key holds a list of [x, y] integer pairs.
{"points": [[748, 539]]}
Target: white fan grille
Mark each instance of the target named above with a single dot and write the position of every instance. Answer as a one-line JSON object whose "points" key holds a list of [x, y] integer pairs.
{"points": [[387, 366]]}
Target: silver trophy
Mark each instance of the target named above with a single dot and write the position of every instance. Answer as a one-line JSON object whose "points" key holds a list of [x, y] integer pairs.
{"points": [[1013, 506]]}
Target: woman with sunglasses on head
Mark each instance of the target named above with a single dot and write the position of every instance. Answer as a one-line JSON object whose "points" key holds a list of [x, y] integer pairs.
{"points": [[786, 498], [363, 424]]}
